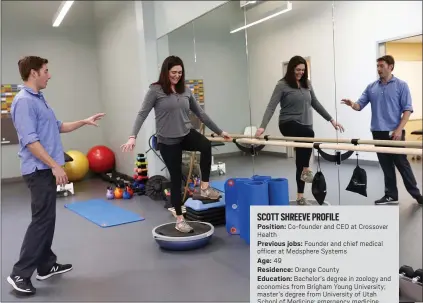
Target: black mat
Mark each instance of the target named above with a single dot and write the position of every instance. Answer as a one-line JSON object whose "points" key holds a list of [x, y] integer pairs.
{"points": [[212, 221], [216, 211], [205, 216]]}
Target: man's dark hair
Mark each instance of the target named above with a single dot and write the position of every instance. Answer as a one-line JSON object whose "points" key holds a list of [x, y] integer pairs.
{"points": [[28, 63], [388, 59], [164, 81], [290, 72]]}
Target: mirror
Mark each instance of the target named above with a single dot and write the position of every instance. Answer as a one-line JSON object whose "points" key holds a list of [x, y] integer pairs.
{"points": [[301, 31], [359, 41], [216, 72], [401, 40], [222, 63]]}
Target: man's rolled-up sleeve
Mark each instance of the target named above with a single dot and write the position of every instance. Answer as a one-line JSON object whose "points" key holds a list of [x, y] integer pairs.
{"points": [[59, 124], [25, 120], [405, 99]]}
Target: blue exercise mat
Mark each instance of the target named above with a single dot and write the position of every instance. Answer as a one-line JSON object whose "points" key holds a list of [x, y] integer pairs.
{"points": [[278, 191], [103, 213], [218, 185], [251, 193]]}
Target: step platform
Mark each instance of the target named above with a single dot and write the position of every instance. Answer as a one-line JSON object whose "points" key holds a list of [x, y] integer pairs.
{"points": [[196, 210], [213, 213]]}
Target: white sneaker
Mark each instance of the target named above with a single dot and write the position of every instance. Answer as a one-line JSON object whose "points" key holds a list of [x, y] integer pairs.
{"points": [[302, 201], [183, 227], [307, 176]]}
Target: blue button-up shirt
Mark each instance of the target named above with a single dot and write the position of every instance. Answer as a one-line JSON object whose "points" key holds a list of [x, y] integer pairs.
{"points": [[388, 102], [34, 120]]}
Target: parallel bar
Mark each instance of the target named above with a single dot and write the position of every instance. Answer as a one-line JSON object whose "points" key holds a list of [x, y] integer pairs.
{"points": [[347, 147], [410, 144]]}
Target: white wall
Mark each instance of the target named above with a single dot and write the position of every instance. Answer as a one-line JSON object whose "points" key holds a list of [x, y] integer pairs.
{"points": [[118, 73], [126, 55], [357, 32], [411, 72], [73, 89], [211, 53], [170, 15], [356, 51]]}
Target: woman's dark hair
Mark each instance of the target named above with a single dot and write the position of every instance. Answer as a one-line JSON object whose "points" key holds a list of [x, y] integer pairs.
{"points": [[290, 72], [164, 81]]}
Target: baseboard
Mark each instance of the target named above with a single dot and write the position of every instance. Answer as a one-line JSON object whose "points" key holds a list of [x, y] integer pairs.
{"points": [[353, 161], [19, 179], [237, 154], [11, 180], [274, 154], [227, 155]]}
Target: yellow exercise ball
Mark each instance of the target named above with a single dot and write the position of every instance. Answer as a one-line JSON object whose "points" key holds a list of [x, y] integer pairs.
{"points": [[78, 168]]}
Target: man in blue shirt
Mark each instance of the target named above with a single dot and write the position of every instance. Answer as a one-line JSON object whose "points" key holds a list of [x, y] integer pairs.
{"points": [[391, 105], [42, 157]]}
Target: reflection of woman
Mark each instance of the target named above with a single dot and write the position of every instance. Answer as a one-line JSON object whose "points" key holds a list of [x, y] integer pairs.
{"points": [[296, 97], [172, 101]]}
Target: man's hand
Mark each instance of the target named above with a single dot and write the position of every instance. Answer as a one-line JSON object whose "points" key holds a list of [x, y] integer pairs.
{"points": [[347, 102], [60, 174], [68, 127], [350, 103], [397, 134], [92, 120]]}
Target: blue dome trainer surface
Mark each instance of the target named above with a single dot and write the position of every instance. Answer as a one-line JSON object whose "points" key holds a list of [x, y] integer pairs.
{"points": [[167, 237]]}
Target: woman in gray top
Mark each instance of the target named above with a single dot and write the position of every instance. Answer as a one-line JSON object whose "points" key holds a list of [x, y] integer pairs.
{"points": [[296, 97], [172, 101]]}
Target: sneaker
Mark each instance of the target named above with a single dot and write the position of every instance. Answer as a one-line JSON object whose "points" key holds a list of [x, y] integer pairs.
{"points": [[307, 176], [184, 227], [386, 200], [21, 285], [302, 201], [207, 194], [55, 270], [420, 200]]}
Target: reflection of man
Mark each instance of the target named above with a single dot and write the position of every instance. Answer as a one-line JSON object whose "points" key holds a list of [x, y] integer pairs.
{"points": [[42, 157], [391, 106]]}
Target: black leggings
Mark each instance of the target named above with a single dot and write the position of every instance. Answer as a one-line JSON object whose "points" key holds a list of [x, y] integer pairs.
{"points": [[302, 159], [172, 156]]}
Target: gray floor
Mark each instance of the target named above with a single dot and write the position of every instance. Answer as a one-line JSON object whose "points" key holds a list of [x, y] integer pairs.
{"points": [[124, 264]]}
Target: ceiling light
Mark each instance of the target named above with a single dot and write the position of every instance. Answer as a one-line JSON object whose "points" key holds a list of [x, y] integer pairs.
{"points": [[289, 8], [61, 12]]}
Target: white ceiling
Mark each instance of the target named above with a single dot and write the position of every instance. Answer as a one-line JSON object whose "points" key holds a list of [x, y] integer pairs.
{"points": [[230, 15], [414, 39], [36, 13]]}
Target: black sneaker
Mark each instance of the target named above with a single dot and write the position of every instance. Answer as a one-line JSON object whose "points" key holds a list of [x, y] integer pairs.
{"points": [[21, 285], [420, 200], [386, 200], [55, 270]]}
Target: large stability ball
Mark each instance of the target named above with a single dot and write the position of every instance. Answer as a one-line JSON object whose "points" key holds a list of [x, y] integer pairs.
{"points": [[78, 168], [101, 159]]}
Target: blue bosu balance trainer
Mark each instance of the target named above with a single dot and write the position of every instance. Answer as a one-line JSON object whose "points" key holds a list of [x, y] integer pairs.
{"points": [[169, 238], [202, 216]]}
